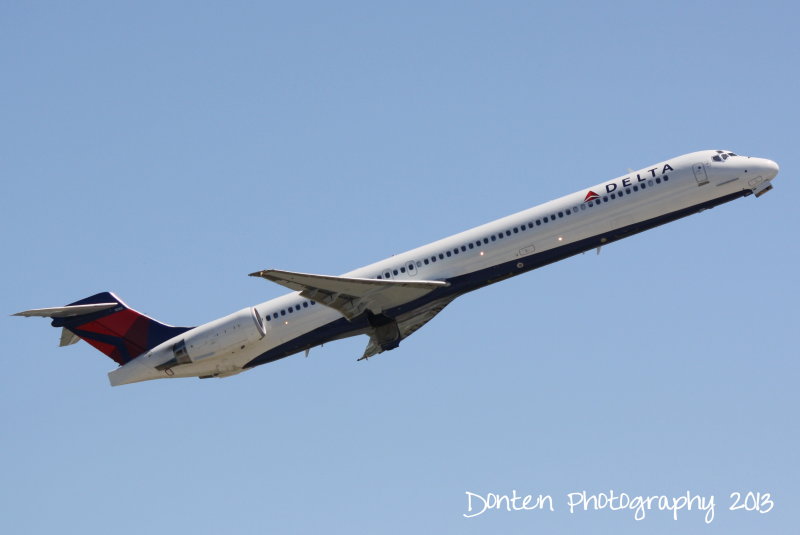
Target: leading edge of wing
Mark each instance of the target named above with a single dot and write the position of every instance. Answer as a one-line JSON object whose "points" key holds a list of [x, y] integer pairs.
{"points": [[352, 296]]}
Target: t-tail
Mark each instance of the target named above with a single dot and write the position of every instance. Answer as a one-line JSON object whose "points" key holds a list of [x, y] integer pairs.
{"points": [[107, 323]]}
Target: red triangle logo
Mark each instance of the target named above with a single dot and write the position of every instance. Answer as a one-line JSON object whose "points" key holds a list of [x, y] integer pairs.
{"points": [[591, 196]]}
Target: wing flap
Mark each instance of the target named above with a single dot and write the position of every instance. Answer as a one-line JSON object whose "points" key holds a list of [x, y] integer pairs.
{"points": [[351, 296], [407, 325]]}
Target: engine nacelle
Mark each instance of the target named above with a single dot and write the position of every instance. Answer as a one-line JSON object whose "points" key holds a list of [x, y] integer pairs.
{"points": [[220, 337]]}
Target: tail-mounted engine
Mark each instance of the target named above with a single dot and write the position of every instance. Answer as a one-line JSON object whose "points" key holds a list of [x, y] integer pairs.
{"points": [[224, 336]]}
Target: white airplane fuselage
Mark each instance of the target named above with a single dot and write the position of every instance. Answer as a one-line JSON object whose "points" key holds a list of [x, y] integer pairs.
{"points": [[574, 223]]}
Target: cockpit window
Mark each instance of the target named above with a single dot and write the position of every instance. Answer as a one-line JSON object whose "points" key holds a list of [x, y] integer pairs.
{"points": [[722, 155]]}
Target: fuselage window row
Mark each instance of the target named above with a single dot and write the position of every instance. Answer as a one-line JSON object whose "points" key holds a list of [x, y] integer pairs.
{"points": [[293, 308], [530, 224]]}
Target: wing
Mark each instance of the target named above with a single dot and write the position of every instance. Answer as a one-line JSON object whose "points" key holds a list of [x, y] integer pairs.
{"points": [[408, 324], [352, 296]]}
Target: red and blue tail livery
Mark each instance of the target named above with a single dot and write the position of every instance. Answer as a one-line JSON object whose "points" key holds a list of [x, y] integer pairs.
{"points": [[108, 324]]}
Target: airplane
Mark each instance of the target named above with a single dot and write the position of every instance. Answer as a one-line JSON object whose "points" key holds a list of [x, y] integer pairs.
{"points": [[391, 299]]}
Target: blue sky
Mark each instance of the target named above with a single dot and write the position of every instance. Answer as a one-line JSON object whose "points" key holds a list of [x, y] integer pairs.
{"points": [[163, 151]]}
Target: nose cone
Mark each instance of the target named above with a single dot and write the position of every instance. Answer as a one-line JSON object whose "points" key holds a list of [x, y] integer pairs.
{"points": [[771, 170], [764, 167]]}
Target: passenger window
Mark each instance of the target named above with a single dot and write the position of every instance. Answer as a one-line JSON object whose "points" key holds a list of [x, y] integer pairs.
{"points": [[305, 303], [470, 245], [658, 181], [635, 188], [538, 222], [493, 237], [650, 183], [455, 251], [402, 269], [508, 233], [448, 253], [463, 248], [427, 261], [395, 272], [665, 177], [283, 312]]}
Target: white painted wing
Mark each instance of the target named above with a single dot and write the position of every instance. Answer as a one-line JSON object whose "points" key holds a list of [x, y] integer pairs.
{"points": [[352, 296]]}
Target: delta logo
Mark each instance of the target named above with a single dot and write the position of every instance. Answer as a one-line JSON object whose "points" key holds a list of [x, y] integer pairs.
{"points": [[629, 181]]}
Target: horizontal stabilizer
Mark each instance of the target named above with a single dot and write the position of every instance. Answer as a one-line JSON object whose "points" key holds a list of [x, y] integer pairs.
{"points": [[65, 312], [349, 295], [68, 338]]}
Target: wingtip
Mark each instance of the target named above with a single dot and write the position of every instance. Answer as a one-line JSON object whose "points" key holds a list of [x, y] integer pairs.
{"points": [[261, 273]]}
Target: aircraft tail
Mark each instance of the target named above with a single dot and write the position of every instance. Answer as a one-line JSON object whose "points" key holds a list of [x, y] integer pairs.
{"points": [[108, 324]]}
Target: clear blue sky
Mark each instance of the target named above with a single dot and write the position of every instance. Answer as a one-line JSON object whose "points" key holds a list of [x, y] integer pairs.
{"points": [[164, 150]]}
